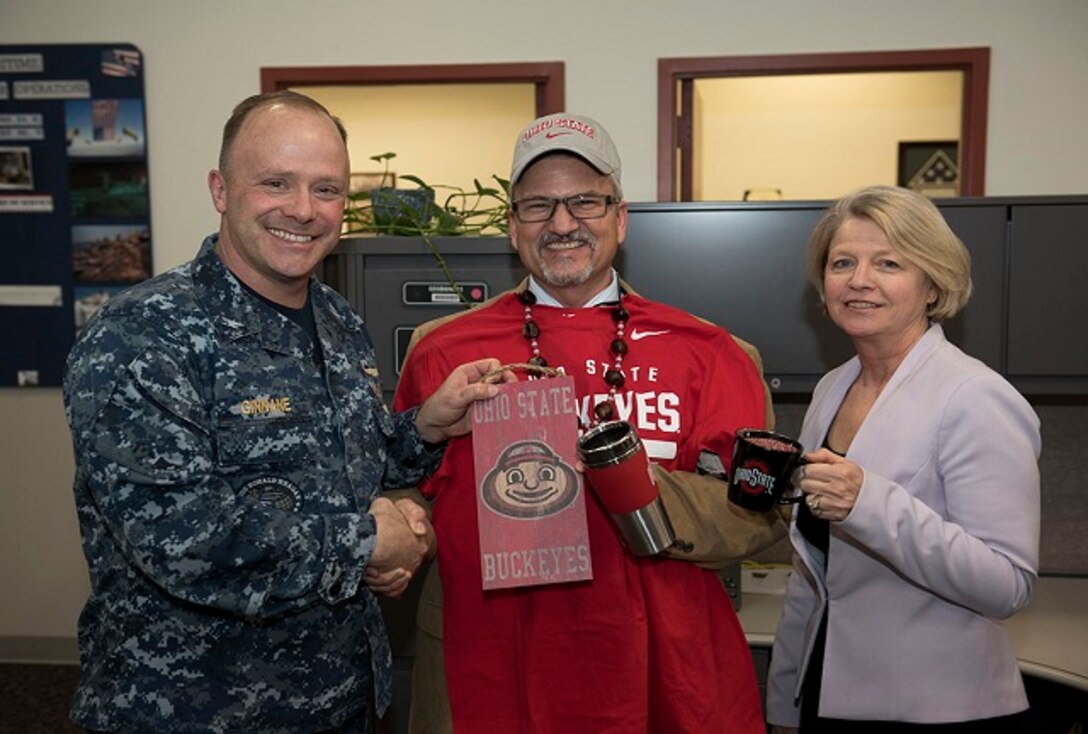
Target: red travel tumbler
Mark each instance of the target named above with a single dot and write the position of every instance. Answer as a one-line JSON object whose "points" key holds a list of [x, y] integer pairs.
{"points": [[619, 471]]}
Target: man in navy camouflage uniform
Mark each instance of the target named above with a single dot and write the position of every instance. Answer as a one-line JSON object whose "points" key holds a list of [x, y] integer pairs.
{"points": [[231, 442]]}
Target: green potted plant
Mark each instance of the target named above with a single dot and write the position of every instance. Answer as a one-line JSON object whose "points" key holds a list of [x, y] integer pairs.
{"points": [[430, 210]]}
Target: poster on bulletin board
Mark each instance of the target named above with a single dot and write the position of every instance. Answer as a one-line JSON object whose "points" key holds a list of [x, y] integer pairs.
{"points": [[75, 215]]}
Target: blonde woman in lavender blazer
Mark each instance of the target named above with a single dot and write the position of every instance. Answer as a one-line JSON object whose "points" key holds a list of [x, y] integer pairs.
{"points": [[923, 489]]}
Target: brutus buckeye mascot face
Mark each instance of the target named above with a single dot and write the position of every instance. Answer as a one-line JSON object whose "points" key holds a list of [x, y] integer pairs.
{"points": [[529, 481]]}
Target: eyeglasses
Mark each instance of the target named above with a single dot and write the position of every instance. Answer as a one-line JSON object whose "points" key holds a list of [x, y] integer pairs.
{"points": [[580, 206]]}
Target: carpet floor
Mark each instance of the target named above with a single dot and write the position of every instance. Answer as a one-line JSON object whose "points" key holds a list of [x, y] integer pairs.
{"points": [[34, 699]]}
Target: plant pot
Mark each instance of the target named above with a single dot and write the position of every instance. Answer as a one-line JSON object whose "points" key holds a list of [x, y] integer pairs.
{"points": [[402, 211]]}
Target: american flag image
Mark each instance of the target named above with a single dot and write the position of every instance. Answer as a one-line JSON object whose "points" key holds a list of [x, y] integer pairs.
{"points": [[120, 62]]}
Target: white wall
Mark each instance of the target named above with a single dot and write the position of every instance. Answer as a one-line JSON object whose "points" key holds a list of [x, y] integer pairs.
{"points": [[445, 134], [203, 56], [845, 129]]}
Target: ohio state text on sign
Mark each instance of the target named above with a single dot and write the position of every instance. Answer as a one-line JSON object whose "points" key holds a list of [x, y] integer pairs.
{"points": [[529, 499]]}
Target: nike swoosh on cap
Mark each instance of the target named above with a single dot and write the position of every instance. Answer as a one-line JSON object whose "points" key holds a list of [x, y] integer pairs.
{"points": [[636, 335], [549, 136]]}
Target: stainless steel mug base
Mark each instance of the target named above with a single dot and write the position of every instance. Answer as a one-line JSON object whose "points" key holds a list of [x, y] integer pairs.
{"points": [[646, 531]]}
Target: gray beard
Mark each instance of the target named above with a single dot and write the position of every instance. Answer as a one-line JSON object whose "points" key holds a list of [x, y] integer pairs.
{"points": [[562, 280], [565, 279]]}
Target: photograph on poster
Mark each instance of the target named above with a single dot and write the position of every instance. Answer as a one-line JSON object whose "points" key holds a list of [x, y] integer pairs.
{"points": [[97, 128], [107, 253], [88, 299], [108, 190], [16, 171], [120, 62]]}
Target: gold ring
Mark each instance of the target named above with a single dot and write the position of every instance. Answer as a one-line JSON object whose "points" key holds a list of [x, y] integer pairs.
{"points": [[815, 504]]}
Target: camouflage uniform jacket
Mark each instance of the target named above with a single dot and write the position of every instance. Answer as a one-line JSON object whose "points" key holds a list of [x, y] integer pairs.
{"points": [[222, 485]]}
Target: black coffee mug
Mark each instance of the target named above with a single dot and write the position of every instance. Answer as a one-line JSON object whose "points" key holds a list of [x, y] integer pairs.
{"points": [[761, 468]]}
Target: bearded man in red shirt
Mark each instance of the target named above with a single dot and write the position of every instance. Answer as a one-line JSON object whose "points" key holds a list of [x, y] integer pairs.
{"points": [[650, 644]]}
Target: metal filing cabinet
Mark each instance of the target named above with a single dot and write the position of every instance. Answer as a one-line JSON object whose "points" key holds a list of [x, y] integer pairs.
{"points": [[396, 284]]}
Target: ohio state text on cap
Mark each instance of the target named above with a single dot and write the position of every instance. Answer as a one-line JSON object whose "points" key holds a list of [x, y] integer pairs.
{"points": [[565, 132]]}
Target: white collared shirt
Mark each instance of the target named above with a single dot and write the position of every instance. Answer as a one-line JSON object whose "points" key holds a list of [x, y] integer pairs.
{"points": [[609, 294]]}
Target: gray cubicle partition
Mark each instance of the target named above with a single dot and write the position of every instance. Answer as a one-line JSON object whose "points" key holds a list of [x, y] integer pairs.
{"points": [[742, 265], [1048, 296], [396, 284]]}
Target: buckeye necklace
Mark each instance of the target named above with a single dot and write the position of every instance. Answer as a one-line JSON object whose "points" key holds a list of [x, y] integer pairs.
{"points": [[613, 376]]}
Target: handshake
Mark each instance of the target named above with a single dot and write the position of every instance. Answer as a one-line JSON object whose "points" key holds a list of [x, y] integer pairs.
{"points": [[404, 539]]}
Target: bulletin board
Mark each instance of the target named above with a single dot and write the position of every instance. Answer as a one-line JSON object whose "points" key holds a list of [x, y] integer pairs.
{"points": [[75, 214]]}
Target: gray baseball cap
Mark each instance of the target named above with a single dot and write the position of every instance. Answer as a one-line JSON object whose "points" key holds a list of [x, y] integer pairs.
{"points": [[565, 132]]}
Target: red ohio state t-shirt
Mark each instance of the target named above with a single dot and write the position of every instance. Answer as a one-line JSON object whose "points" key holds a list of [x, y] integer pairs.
{"points": [[648, 644]]}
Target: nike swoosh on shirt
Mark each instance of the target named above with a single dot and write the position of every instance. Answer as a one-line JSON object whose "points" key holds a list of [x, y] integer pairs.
{"points": [[636, 335]]}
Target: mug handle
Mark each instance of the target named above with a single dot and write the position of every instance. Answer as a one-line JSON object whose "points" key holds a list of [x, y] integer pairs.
{"points": [[794, 498]]}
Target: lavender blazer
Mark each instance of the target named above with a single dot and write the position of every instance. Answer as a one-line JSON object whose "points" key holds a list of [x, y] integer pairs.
{"points": [[942, 544]]}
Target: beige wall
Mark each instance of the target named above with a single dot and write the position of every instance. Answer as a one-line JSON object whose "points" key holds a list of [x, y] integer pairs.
{"points": [[43, 580], [442, 133], [202, 56], [751, 132]]}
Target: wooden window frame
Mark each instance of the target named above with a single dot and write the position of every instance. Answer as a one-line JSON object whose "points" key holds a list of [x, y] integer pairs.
{"points": [[548, 77], [674, 134]]}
